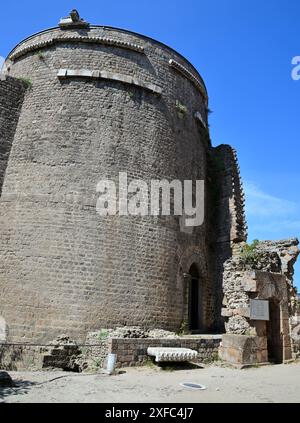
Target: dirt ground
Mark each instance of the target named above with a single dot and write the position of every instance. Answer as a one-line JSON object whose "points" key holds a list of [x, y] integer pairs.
{"points": [[276, 383]]}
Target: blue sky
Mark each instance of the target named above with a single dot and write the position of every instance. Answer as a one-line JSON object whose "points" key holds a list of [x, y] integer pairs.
{"points": [[243, 50]]}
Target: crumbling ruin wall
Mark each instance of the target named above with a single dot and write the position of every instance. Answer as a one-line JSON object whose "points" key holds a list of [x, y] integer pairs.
{"points": [[133, 352], [20, 357], [128, 343], [231, 221], [276, 257], [263, 271], [228, 217]]}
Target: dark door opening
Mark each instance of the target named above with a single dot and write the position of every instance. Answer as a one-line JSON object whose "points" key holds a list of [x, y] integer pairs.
{"points": [[194, 311], [194, 304], [274, 336]]}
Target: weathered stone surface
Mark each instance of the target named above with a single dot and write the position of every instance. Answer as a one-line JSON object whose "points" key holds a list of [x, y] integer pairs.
{"points": [[237, 325], [11, 97], [160, 333], [248, 284], [225, 312], [3, 330], [240, 349], [131, 332]]}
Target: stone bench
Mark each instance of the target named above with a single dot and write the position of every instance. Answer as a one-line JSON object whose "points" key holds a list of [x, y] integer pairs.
{"points": [[172, 354]]}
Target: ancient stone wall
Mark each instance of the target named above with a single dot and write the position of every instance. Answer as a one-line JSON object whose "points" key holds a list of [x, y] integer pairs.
{"points": [[11, 97], [132, 352], [263, 271], [228, 220], [231, 221], [92, 356], [102, 101], [295, 335]]}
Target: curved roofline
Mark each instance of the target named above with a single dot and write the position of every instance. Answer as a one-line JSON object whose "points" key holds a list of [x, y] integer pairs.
{"points": [[121, 30]]}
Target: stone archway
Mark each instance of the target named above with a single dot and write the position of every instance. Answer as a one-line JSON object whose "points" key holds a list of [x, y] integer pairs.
{"points": [[192, 264]]}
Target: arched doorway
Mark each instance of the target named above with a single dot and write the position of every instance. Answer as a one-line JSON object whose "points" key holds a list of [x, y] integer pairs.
{"points": [[194, 300]]}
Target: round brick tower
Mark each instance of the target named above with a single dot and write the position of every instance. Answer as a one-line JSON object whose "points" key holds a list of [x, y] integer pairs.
{"points": [[100, 101]]}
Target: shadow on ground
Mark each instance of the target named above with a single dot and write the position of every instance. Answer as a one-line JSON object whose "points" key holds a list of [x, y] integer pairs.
{"points": [[179, 366], [20, 387]]}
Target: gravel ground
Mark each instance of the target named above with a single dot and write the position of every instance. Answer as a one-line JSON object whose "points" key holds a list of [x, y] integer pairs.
{"points": [[277, 383]]}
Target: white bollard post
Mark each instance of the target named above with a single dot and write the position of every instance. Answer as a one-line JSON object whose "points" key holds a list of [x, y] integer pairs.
{"points": [[111, 363]]}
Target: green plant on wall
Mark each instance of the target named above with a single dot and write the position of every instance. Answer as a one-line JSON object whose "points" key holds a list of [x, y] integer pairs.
{"points": [[40, 55], [184, 329], [249, 253], [97, 363], [181, 108], [103, 334]]}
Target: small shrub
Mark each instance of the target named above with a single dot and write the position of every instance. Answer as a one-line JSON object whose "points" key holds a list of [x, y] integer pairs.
{"points": [[40, 55], [149, 363], [181, 108], [184, 329], [249, 253], [103, 334], [213, 358], [97, 363]]}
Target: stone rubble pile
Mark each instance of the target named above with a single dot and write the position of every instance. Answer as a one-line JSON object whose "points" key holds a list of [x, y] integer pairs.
{"points": [[63, 353], [132, 332]]}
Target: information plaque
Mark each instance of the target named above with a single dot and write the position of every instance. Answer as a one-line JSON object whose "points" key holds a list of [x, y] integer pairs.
{"points": [[259, 310]]}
